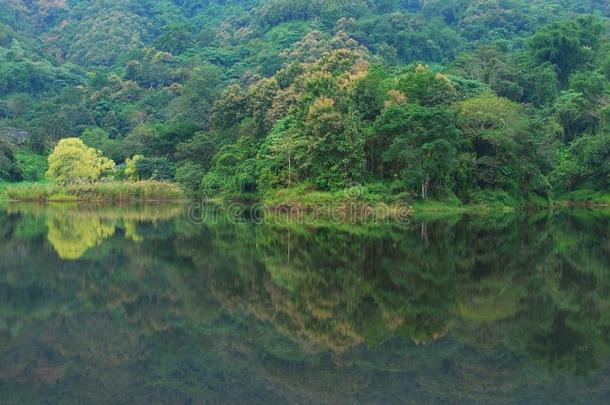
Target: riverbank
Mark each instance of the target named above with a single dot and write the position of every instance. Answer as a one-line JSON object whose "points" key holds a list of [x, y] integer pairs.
{"points": [[367, 202], [360, 201], [109, 192], [585, 199]]}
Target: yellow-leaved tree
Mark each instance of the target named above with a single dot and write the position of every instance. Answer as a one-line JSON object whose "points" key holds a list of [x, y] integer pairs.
{"points": [[131, 167], [73, 162]]}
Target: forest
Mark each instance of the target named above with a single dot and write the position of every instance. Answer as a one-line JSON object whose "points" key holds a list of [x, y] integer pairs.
{"points": [[468, 101]]}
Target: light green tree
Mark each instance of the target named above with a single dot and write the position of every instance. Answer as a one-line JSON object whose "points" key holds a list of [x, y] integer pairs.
{"points": [[131, 169], [73, 162]]}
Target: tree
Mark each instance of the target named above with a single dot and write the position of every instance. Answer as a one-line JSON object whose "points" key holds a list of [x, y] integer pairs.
{"points": [[369, 93], [282, 157], [231, 108], [572, 111], [510, 151], [336, 145], [585, 160], [155, 169], [99, 139], [492, 66], [72, 162], [31, 167], [175, 38], [199, 150], [425, 87], [131, 167], [7, 161], [190, 176], [567, 45], [422, 147], [194, 105], [489, 124]]}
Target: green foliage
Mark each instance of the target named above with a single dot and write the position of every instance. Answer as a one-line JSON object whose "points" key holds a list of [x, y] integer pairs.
{"points": [[425, 87], [161, 169], [72, 162], [131, 167], [422, 147], [7, 162], [31, 167], [425, 97], [189, 175], [585, 161], [99, 139], [109, 192], [567, 45], [336, 145], [174, 38]]}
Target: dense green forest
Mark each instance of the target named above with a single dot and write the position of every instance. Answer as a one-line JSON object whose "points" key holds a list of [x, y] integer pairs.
{"points": [[478, 100]]}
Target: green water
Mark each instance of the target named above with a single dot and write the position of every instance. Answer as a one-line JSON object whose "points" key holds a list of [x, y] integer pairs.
{"points": [[140, 305]]}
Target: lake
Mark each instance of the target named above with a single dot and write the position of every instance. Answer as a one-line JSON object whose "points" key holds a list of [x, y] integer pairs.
{"points": [[143, 304]]}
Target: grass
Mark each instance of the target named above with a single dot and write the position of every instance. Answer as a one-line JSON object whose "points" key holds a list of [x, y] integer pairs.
{"points": [[301, 197], [307, 199], [586, 198], [95, 192]]}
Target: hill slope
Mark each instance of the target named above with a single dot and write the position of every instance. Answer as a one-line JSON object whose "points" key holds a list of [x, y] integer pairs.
{"points": [[485, 100]]}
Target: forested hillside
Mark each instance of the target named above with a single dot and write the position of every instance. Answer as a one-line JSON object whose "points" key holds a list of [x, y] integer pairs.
{"points": [[481, 100]]}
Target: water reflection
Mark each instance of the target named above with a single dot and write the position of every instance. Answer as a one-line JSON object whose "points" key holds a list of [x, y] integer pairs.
{"points": [[139, 303], [74, 229]]}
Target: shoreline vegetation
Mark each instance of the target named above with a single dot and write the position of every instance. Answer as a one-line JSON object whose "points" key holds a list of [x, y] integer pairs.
{"points": [[296, 200], [430, 107], [106, 192]]}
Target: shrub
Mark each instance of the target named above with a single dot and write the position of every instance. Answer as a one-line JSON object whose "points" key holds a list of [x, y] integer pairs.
{"points": [[31, 167], [7, 162], [190, 176], [155, 169]]}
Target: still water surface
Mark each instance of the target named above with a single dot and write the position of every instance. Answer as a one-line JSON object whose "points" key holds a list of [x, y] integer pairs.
{"points": [[140, 305]]}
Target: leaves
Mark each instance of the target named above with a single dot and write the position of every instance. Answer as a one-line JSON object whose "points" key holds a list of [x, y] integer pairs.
{"points": [[72, 162]]}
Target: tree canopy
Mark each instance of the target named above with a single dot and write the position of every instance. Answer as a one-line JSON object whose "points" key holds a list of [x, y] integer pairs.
{"points": [[419, 98], [73, 162]]}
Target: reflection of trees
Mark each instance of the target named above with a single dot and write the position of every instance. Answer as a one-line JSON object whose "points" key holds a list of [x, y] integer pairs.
{"points": [[337, 289], [73, 230], [542, 281], [557, 287], [570, 331], [71, 237], [489, 299], [89, 319]]}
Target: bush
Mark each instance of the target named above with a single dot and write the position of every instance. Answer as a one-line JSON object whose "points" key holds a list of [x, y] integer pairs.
{"points": [[7, 162], [493, 197], [161, 169], [189, 175], [31, 167], [212, 183]]}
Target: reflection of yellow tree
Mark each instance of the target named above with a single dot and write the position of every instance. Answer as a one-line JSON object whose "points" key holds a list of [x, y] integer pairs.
{"points": [[131, 231], [72, 230], [135, 213], [71, 237]]}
